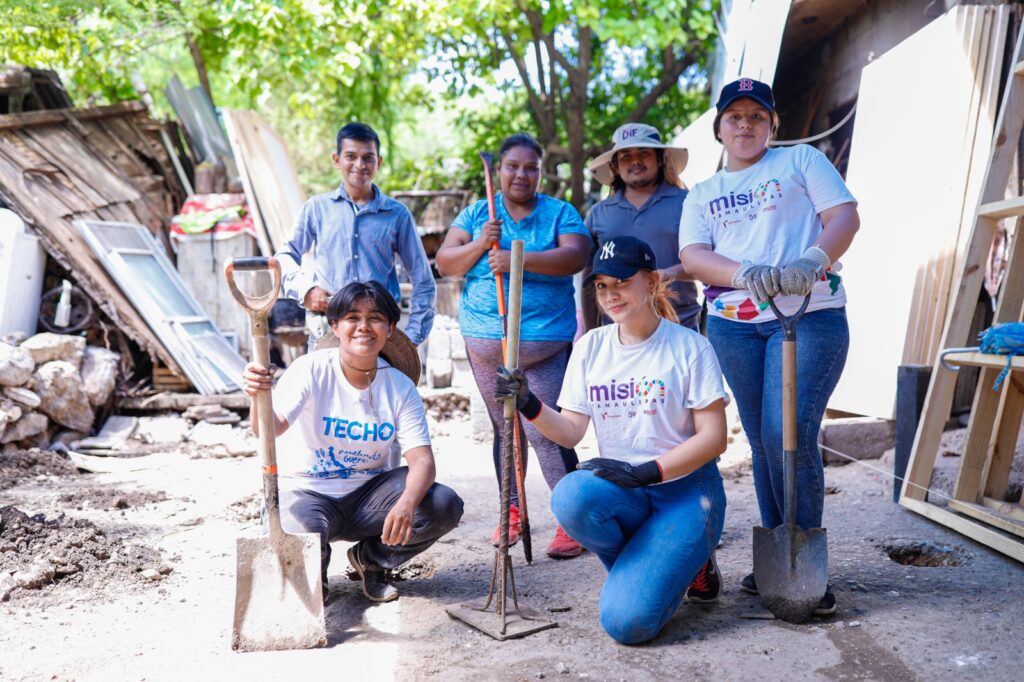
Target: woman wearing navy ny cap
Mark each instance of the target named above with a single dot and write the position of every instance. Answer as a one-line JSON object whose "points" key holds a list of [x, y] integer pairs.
{"points": [[772, 224], [652, 506]]}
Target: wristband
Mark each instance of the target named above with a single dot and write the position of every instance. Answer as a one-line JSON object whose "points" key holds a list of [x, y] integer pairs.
{"points": [[531, 409], [649, 472]]}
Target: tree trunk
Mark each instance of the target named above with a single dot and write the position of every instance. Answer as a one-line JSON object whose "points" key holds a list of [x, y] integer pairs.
{"points": [[200, 64]]}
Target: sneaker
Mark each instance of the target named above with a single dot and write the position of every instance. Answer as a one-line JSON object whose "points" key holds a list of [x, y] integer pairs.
{"points": [[748, 584], [563, 546], [514, 529], [373, 577], [827, 606], [705, 587]]}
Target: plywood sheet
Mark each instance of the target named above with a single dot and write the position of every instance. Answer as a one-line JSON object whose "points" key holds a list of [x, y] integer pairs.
{"points": [[910, 167]]}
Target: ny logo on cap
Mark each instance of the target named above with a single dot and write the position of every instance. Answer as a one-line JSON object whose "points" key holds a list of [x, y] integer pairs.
{"points": [[608, 250], [746, 85]]}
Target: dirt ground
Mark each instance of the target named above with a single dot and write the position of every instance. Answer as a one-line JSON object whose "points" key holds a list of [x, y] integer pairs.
{"points": [[158, 605]]}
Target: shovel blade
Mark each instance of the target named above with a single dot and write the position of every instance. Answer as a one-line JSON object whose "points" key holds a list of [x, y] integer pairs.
{"points": [[278, 600], [791, 570]]}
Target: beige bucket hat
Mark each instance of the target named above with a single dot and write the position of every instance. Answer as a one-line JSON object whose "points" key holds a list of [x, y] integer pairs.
{"points": [[639, 135], [399, 351]]}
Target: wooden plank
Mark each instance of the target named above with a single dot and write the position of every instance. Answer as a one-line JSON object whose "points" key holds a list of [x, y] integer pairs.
{"points": [[1006, 508], [182, 401], [989, 516], [997, 479], [87, 170], [1007, 208], [940, 390], [979, 532], [987, 360], [26, 173], [50, 117], [979, 437], [245, 174]]}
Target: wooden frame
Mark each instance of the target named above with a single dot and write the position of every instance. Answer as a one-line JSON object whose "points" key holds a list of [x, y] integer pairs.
{"points": [[976, 508]]}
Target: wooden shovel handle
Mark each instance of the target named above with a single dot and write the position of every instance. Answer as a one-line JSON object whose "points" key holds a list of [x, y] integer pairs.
{"points": [[254, 304]]}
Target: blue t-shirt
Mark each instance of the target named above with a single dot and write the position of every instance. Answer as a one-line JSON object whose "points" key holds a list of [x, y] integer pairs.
{"points": [[549, 305]]}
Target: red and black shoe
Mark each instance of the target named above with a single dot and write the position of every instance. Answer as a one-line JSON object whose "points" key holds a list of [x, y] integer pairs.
{"points": [[705, 587]]}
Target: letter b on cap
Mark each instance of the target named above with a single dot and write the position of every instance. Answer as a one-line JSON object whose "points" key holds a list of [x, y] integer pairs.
{"points": [[746, 85]]}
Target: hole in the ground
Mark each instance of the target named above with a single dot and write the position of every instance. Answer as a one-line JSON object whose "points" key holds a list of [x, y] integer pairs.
{"points": [[924, 554]]}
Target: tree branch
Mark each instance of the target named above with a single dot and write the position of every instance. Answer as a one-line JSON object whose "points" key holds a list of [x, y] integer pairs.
{"points": [[674, 67]]}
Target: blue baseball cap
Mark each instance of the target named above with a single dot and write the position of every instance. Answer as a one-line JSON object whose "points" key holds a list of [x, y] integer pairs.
{"points": [[746, 87], [622, 257]]}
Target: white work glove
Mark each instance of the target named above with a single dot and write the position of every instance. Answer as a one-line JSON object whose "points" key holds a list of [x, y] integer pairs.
{"points": [[800, 276], [762, 281]]}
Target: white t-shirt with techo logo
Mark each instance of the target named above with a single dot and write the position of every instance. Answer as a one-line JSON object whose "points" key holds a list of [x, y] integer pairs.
{"points": [[640, 396], [767, 214], [339, 436]]}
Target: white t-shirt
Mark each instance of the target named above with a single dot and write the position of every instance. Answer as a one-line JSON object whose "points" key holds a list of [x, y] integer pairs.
{"points": [[639, 397], [339, 436], [768, 214]]}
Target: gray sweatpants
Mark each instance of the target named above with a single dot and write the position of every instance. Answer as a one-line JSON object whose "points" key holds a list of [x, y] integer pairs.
{"points": [[359, 517]]}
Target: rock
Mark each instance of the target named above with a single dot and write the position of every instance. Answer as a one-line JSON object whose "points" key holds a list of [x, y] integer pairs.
{"points": [[241, 444], [9, 412], [562, 668], [23, 396], [113, 436], [31, 424], [35, 576], [7, 585], [100, 368], [857, 437], [63, 399], [854, 623], [439, 372], [47, 347], [16, 365], [14, 338], [162, 429], [151, 574], [210, 434]]}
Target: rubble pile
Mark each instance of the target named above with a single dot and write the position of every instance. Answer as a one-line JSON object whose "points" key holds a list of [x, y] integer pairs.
{"points": [[51, 383], [445, 406], [34, 463], [37, 553]]}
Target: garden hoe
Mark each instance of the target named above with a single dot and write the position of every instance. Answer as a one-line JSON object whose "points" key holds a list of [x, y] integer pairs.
{"points": [[278, 600], [790, 562]]}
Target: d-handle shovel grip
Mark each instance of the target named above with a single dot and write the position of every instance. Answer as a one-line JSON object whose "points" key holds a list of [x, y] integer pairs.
{"points": [[254, 304]]}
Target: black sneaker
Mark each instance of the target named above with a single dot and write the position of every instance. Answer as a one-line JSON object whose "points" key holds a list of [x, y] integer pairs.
{"points": [[827, 606], [705, 587], [373, 577], [748, 584]]}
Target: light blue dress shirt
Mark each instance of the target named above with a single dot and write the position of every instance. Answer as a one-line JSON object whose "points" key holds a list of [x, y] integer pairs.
{"points": [[354, 243]]}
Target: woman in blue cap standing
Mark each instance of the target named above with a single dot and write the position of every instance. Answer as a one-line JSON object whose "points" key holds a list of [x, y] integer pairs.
{"points": [[652, 506], [772, 224]]}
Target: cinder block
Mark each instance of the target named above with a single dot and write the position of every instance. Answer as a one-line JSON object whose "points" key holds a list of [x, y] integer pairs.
{"points": [[439, 373], [856, 437], [458, 345], [481, 421], [439, 344]]}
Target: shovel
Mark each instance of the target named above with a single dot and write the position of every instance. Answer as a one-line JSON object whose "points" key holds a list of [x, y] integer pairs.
{"points": [[790, 562], [278, 600]]}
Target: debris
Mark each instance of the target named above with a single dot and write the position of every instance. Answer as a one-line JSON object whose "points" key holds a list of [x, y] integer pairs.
{"points": [[121, 464], [162, 429], [924, 554], [31, 424], [24, 464], [151, 574], [445, 406], [23, 396], [114, 435], [853, 624], [100, 368], [562, 668], [47, 347], [16, 365], [559, 609], [63, 399], [210, 434]]}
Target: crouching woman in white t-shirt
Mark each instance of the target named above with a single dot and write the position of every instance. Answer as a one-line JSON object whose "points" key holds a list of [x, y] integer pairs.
{"points": [[337, 413], [652, 506]]}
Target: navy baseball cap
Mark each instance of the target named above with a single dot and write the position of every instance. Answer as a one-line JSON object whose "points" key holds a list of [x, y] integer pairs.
{"points": [[622, 257], [746, 87]]}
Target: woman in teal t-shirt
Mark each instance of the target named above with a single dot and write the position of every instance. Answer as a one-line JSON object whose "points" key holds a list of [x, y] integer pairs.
{"points": [[557, 247]]}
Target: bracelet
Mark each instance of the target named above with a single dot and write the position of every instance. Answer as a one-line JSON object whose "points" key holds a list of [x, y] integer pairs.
{"points": [[531, 409]]}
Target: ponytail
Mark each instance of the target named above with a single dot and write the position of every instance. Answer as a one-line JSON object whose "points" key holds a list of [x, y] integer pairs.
{"points": [[664, 296]]}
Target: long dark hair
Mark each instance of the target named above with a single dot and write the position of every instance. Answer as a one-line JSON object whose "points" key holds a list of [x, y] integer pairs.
{"points": [[351, 294]]}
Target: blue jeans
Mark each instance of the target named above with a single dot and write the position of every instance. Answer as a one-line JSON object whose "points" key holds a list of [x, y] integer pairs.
{"points": [[653, 541], [751, 360]]}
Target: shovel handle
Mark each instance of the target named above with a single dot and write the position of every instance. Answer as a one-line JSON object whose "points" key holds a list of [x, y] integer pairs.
{"points": [[258, 307], [254, 304], [790, 439]]}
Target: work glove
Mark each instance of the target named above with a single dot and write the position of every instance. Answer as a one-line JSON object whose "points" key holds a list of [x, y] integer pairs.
{"points": [[762, 281], [800, 276], [514, 385], [622, 473]]}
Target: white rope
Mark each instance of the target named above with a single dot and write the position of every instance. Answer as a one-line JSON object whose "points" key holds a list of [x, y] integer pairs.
{"points": [[885, 473], [815, 138]]}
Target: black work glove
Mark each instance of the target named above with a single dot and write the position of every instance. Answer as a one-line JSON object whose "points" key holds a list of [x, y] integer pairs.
{"points": [[514, 385], [622, 473]]}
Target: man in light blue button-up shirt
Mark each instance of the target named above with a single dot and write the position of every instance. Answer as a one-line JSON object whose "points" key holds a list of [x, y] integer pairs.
{"points": [[354, 233]]}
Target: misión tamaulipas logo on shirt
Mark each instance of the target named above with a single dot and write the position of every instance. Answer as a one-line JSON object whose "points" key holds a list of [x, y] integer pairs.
{"points": [[631, 393], [745, 204]]}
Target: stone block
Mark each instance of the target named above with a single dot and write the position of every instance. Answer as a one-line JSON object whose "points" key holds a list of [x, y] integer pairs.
{"points": [[100, 368], [857, 437], [63, 398], [31, 424], [47, 347], [16, 365], [439, 372]]}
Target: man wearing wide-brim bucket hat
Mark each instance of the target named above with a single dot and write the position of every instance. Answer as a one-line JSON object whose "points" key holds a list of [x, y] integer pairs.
{"points": [[646, 201]]}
